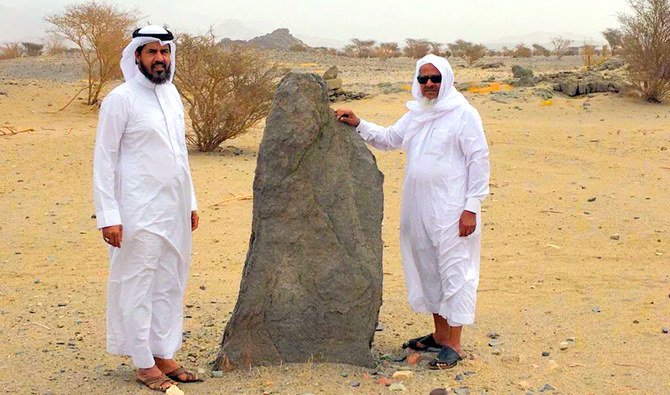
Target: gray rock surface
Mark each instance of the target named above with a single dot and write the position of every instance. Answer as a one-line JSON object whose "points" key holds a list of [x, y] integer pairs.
{"points": [[521, 72], [312, 281], [331, 73]]}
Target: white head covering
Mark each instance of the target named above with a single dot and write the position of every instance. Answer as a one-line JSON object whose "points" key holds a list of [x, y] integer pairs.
{"points": [[141, 37], [448, 98]]}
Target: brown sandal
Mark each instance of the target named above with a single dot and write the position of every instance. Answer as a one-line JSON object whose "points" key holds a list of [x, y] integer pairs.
{"points": [[156, 383], [190, 376]]}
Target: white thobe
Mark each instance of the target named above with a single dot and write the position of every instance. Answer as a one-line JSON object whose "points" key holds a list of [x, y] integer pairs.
{"points": [[142, 181], [447, 172]]}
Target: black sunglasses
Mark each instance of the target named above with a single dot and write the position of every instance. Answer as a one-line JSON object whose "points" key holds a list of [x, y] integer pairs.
{"points": [[423, 79]]}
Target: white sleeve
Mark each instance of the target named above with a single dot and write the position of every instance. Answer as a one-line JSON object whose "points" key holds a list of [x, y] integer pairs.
{"points": [[473, 145], [384, 138], [111, 124]]}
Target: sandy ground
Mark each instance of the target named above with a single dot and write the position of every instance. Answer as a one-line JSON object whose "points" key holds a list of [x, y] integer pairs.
{"points": [[551, 269]]}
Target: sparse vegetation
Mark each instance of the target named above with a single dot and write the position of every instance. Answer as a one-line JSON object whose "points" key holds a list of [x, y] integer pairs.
{"points": [[470, 52], [360, 48], [646, 47], [11, 51], [54, 44], [522, 51], [32, 49], [539, 50], [416, 48], [227, 90], [614, 39], [561, 46], [100, 32], [387, 50]]}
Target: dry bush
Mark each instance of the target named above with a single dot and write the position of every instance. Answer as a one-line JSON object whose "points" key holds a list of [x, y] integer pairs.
{"points": [[360, 48], [32, 49], [227, 90], [470, 52], [436, 49], [539, 50], [100, 32], [561, 46], [416, 49], [646, 47], [387, 50], [54, 44], [11, 51], [589, 56], [522, 51], [613, 37]]}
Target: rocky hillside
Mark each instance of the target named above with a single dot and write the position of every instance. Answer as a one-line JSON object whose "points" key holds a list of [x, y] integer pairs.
{"points": [[278, 39]]}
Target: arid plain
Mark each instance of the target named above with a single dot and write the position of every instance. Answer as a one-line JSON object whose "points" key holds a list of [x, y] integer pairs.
{"points": [[576, 243]]}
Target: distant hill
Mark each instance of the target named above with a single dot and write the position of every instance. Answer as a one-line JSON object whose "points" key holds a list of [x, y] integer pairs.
{"points": [[278, 39]]}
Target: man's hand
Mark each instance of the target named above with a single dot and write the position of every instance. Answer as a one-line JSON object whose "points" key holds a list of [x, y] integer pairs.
{"points": [[467, 224], [347, 116], [194, 220], [113, 235]]}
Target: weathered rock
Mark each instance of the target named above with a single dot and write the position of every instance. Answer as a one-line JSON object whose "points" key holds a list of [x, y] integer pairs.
{"points": [[521, 72], [312, 282], [331, 73], [494, 65], [612, 64], [335, 83]]}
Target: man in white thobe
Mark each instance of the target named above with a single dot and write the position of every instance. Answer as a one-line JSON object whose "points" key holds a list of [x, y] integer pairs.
{"points": [[146, 208], [446, 179]]}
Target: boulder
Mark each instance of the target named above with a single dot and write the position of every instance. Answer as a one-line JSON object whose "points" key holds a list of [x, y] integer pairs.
{"points": [[522, 72], [334, 84], [311, 287], [331, 73]]}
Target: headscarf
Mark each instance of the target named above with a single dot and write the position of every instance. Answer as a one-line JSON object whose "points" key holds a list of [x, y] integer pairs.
{"points": [[448, 98], [141, 37]]}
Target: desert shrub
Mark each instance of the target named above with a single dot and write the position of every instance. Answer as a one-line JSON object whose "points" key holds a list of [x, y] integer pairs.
{"points": [[613, 37], [522, 51], [32, 49], [470, 52], [416, 48], [226, 90], [561, 46], [100, 32], [589, 56], [387, 50], [54, 45], [646, 47], [11, 51], [298, 48], [539, 50], [360, 48]]}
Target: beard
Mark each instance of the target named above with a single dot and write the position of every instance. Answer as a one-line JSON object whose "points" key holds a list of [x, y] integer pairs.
{"points": [[427, 103], [157, 77]]}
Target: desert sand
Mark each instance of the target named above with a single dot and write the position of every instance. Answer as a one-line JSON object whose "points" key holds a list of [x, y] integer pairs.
{"points": [[575, 245]]}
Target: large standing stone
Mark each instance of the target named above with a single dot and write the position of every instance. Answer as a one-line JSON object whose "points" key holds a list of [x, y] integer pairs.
{"points": [[312, 282]]}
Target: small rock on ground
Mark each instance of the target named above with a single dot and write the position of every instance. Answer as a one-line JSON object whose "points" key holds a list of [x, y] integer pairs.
{"points": [[397, 387]]}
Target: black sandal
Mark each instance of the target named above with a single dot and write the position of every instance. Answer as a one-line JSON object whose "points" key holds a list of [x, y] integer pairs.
{"points": [[423, 343], [447, 358]]}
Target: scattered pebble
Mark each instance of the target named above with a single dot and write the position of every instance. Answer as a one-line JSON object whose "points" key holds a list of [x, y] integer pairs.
{"points": [[523, 384], [571, 339], [564, 345], [469, 373], [174, 390], [403, 375], [545, 353], [380, 327], [354, 384], [384, 381], [596, 309], [636, 322], [439, 391], [397, 387], [493, 335], [201, 371], [37, 281], [413, 358], [547, 387], [217, 373], [461, 391], [665, 330], [591, 200], [496, 352], [615, 236], [459, 377], [495, 342], [345, 374]]}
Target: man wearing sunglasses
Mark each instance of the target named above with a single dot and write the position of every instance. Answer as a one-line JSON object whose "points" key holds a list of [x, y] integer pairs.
{"points": [[446, 179]]}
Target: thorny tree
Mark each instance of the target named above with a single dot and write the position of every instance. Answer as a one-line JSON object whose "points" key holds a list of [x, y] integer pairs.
{"points": [[226, 90], [646, 47], [100, 32]]}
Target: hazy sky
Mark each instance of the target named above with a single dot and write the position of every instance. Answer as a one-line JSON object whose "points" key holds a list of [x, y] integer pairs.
{"points": [[485, 21]]}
